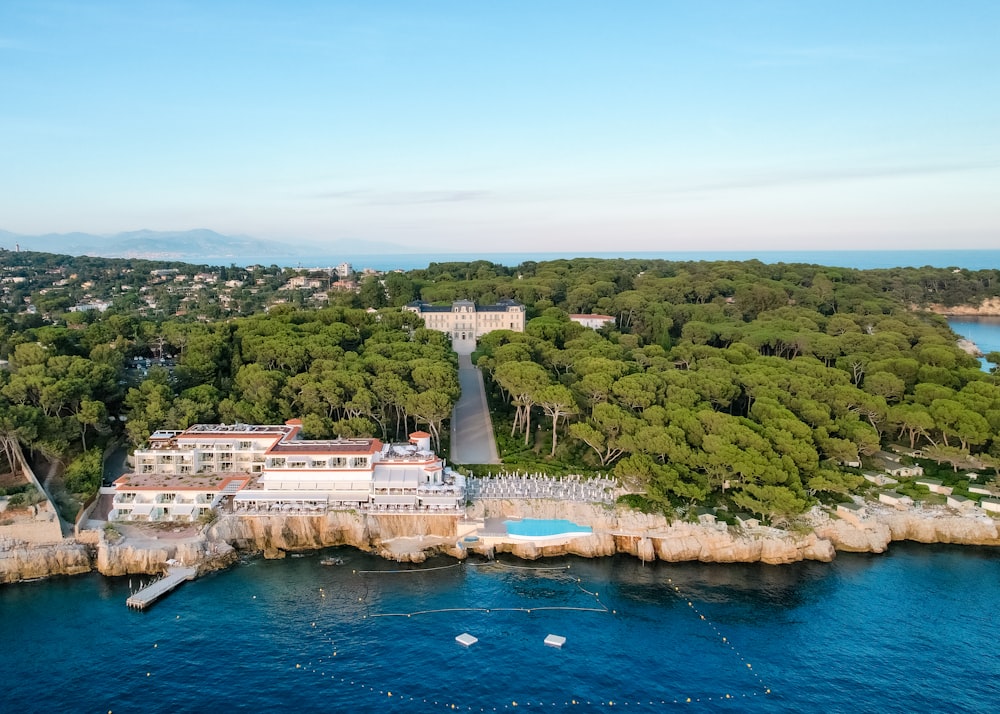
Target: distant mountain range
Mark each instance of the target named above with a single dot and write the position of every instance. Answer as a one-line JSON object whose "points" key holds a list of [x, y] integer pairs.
{"points": [[195, 246]]}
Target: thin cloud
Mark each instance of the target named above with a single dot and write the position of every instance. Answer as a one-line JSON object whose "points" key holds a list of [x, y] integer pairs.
{"points": [[807, 178], [401, 198]]}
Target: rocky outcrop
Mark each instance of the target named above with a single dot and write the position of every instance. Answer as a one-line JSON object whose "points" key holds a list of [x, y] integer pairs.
{"points": [[132, 557], [870, 537], [939, 525], [924, 525], [23, 561]]}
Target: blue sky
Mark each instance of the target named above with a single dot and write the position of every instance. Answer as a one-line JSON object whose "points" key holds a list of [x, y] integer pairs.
{"points": [[658, 125]]}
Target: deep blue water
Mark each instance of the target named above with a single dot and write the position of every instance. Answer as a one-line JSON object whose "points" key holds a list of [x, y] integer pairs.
{"points": [[863, 259], [913, 630]]}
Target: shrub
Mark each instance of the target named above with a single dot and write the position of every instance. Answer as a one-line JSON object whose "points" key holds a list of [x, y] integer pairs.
{"points": [[83, 475]]}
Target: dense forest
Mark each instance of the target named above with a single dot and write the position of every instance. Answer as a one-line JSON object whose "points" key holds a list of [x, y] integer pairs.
{"points": [[759, 386]]}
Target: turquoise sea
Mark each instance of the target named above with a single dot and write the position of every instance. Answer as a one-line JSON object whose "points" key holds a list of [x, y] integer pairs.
{"points": [[912, 630]]}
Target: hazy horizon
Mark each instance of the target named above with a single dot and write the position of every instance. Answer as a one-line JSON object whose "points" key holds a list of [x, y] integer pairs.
{"points": [[452, 127]]}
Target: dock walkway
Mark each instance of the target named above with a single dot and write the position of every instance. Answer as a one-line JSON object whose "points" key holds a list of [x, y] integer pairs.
{"points": [[154, 591]]}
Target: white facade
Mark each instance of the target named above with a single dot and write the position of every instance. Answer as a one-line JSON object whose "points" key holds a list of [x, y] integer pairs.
{"points": [[465, 321], [268, 468], [170, 498], [594, 322]]}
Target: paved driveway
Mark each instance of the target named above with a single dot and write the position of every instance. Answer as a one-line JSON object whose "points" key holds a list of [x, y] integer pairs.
{"points": [[472, 440]]}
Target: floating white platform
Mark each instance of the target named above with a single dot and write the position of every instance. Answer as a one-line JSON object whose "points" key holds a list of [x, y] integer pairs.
{"points": [[555, 640], [466, 639]]}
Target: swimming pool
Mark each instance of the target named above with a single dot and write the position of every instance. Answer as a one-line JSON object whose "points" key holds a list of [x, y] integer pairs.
{"points": [[545, 527]]}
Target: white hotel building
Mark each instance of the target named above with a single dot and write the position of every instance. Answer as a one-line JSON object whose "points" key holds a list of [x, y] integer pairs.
{"points": [[465, 322], [269, 468]]}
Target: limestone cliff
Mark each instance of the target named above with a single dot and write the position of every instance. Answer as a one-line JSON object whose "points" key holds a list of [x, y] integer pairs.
{"points": [[411, 538], [869, 537], [925, 525], [128, 557], [651, 536], [940, 526], [294, 532], [21, 561]]}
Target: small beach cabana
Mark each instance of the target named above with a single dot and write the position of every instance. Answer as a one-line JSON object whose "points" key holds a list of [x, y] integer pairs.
{"points": [[895, 499]]}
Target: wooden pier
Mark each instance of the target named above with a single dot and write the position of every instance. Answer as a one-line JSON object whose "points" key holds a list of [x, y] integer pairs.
{"points": [[154, 591]]}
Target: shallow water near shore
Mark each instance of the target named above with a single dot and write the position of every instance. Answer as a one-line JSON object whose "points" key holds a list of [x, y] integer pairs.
{"points": [[909, 630]]}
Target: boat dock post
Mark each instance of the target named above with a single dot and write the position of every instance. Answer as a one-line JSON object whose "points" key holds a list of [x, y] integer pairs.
{"points": [[154, 591]]}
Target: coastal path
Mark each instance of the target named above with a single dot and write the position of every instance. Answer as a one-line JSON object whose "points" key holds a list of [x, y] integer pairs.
{"points": [[472, 440]]}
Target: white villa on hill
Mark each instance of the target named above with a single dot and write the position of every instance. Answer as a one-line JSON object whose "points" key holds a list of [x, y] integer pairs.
{"points": [[268, 468], [594, 322], [465, 322]]}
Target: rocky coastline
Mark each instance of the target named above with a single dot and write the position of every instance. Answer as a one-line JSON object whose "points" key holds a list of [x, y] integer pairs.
{"points": [[415, 538]]}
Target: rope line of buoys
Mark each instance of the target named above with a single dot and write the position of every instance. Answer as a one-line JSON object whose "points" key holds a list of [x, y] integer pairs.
{"points": [[529, 610], [523, 567], [725, 640], [406, 570], [520, 704]]}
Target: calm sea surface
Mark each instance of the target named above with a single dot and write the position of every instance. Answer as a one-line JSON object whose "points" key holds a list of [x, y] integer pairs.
{"points": [[984, 331], [914, 630]]}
